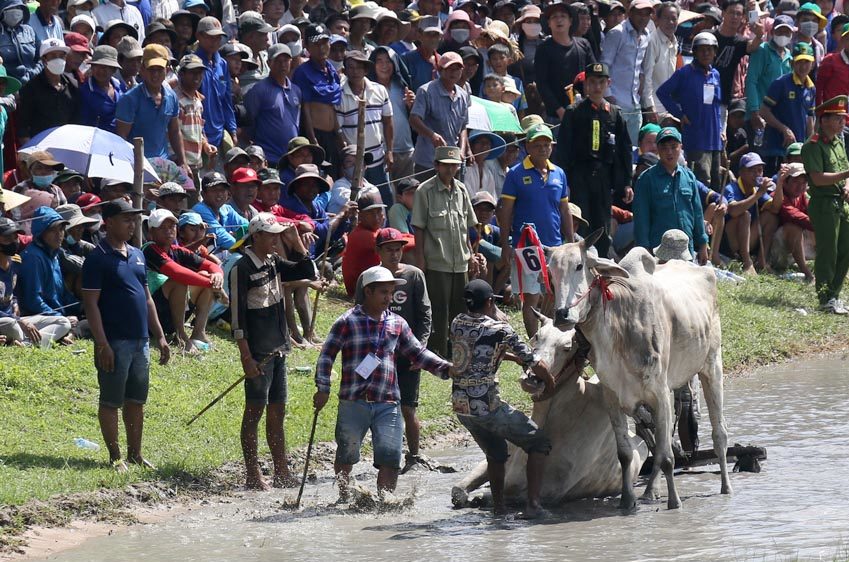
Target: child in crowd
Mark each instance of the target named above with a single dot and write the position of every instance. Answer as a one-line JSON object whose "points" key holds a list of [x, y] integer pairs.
{"points": [[401, 212]]}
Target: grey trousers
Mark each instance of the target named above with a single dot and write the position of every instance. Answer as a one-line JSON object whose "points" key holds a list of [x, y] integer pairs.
{"points": [[57, 326]]}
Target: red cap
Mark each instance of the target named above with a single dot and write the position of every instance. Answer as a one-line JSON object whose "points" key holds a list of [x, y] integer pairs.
{"points": [[387, 235], [87, 200], [245, 175], [77, 42]]}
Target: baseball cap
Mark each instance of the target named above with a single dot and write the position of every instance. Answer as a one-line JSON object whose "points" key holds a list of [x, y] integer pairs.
{"points": [[450, 58], [191, 62], [539, 132], [430, 24], [269, 176], [234, 153], [155, 55], [210, 26], [796, 169], [788, 7], [379, 274], [794, 149], [8, 226], [46, 158], [87, 201], [129, 47], [389, 235], [158, 217], [751, 159], [710, 11], [358, 56], [212, 179], [83, 18], [482, 197], [803, 51], [469, 52], [53, 45], [641, 5], [737, 106], [194, 4], [255, 151], [244, 175], [278, 49], [406, 184], [667, 133], [783, 21], [67, 174], [117, 207], [647, 129], [265, 222], [478, 292], [190, 218], [252, 21], [77, 42], [338, 39], [370, 200], [316, 32], [169, 188]]}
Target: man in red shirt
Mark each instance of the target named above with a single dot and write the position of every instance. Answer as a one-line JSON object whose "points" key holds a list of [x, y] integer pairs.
{"points": [[176, 273], [360, 253], [833, 72], [796, 228]]}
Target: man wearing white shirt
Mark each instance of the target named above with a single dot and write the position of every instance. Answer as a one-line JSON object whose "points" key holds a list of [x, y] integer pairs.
{"points": [[119, 10], [661, 58]]}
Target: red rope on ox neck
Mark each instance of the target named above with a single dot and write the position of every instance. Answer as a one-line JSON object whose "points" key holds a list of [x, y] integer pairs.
{"points": [[603, 284]]}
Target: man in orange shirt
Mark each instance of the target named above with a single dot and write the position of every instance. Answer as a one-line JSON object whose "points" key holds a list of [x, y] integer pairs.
{"points": [[360, 253]]}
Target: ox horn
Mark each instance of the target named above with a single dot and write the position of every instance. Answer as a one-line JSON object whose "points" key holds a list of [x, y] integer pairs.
{"points": [[540, 316], [593, 238]]}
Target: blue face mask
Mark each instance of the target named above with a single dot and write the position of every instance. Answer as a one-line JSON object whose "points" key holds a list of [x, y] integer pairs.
{"points": [[69, 240], [43, 181]]}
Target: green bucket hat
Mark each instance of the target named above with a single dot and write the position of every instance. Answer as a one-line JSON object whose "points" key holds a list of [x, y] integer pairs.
{"points": [[794, 149], [12, 83]]}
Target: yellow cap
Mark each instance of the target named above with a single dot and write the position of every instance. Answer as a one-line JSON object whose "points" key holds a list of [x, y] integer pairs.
{"points": [[155, 55]]}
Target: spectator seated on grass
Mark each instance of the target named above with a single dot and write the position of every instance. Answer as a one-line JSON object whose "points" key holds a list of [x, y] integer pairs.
{"points": [[13, 328], [192, 234], [267, 197], [221, 219], [752, 210], [176, 273], [74, 247], [41, 288], [795, 236]]}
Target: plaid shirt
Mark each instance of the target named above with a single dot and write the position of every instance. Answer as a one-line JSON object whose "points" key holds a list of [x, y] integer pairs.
{"points": [[356, 335]]}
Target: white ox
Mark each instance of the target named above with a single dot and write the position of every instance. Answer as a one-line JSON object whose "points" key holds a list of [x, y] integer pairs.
{"points": [[650, 329]]}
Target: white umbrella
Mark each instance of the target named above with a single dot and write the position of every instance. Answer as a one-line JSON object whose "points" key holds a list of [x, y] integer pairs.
{"points": [[91, 151]]}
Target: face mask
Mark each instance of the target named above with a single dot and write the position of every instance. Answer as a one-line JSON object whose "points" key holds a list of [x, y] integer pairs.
{"points": [[56, 66], [10, 249], [532, 30], [295, 47], [809, 28], [69, 240], [337, 64], [43, 181], [781, 40], [460, 35], [13, 17]]}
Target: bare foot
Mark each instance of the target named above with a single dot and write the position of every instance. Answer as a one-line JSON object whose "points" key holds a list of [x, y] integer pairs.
{"points": [[299, 343], [750, 270], [120, 466], [256, 482]]}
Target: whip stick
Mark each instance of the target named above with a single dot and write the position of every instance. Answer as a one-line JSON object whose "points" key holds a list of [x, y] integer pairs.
{"points": [[307, 460]]}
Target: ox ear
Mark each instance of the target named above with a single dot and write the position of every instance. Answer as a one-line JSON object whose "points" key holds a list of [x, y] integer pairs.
{"points": [[547, 250], [606, 267], [592, 238], [540, 316]]}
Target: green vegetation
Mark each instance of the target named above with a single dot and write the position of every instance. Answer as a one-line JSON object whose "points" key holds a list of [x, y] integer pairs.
{"points": [[47, 398]]}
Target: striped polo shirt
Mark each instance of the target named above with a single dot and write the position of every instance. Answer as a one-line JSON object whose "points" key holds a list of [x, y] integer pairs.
{"points": [[378, 106]]}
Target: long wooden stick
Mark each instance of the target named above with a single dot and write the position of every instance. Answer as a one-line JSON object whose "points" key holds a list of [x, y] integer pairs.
{"points": [[356, 182], [231, 387], [307, 460], [138, 186]]}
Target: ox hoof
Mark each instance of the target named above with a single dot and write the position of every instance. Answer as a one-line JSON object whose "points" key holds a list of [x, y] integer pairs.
{"points": [[628, 504], [650, 495], [726, 489], [673, 504], [459, 497]]}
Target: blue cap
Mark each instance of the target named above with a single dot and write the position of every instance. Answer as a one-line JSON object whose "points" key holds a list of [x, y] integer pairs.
{"points": [[190, 218], [194, 3], [751, 159], [338, 39]]}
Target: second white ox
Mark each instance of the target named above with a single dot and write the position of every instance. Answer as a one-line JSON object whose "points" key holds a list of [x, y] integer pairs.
{"points": [[651, 327]]}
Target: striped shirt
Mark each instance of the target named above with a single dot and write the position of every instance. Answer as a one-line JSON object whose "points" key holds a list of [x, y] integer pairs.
{"points": [[191, 125], [357, 335], [378, 106]]}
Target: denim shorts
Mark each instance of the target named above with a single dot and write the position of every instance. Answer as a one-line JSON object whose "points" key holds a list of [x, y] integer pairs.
{"points": [[355, 418], [492, 432], [130, 378], [270, 387]]}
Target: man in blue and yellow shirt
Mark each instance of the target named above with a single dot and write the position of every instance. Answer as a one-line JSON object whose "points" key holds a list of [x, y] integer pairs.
{"points": [[535, 193]]}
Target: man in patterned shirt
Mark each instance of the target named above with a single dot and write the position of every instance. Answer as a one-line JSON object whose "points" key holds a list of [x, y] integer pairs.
{"points": [[370, 337], [478, 345]]}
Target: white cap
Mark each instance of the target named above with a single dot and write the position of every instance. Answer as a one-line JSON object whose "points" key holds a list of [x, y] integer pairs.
{"points": [[158, 217], [53, 45], [265, 222], [83, 17], [379, 274]]}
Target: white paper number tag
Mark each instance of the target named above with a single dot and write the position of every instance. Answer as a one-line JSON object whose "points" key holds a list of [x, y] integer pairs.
{"points": [[367, 365], [530, 258], [707, 93]]}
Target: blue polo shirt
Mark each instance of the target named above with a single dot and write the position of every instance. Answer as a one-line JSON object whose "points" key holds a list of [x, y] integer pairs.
{"points": [[122, 282], [318, 85], [218, 112], [736, 191], [149, 122], [536, 200], [421, 70], [792, 102], [97, 109], [275, 111], [685, 94]]}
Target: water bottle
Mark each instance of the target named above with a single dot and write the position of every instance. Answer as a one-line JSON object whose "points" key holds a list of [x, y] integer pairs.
{"points": [[86, 444], [793, 276], [759, 137]]}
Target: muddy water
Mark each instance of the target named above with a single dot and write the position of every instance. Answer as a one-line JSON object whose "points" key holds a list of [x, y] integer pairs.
{"points": [[798, 506]]}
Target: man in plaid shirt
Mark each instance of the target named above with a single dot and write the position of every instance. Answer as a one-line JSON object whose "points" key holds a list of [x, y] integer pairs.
{"points": [[369, 337]]}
